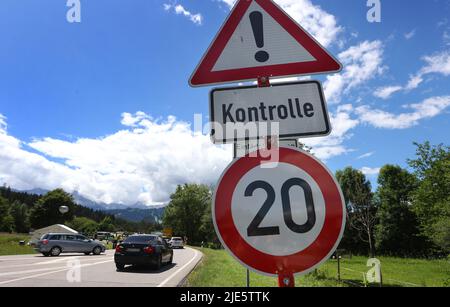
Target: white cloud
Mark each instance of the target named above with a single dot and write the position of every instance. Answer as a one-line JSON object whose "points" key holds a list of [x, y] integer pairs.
{"points": [[386, 92], [446, 37], [230, 3], [322, 25], [3, 125], [369, 171], [333, 145], [366, 155], [429, 108], [410, 35], [180, 10], [131, 120], [142, 163], [362, 62], [414, 82], [439, 63]]}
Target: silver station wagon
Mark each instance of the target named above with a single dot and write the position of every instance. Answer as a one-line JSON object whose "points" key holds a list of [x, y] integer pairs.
{"points": [[53, 244]]}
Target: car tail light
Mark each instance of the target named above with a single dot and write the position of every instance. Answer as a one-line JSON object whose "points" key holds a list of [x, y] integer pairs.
{"points": [[118, 249], [148, 250], [45, 242]]}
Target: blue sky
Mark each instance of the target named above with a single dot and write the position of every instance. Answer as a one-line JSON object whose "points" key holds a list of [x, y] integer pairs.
{"points": [[70, 92]]}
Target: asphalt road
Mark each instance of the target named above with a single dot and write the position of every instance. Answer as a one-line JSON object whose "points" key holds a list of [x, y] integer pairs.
{"points": [[75, 270]]}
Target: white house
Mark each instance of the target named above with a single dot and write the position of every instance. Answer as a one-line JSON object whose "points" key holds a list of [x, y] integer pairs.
{"points": [[57, 228]]}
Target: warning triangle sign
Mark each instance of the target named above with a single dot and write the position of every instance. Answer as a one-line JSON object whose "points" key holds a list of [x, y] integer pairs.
{"points": [[259, 39]]}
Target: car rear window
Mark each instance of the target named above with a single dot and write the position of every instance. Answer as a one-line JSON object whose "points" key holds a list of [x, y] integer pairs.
{"points": [[140, 239], [55, 237]]}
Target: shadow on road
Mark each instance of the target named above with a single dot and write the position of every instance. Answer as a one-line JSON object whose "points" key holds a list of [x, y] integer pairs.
{"points": [[147, 269]]}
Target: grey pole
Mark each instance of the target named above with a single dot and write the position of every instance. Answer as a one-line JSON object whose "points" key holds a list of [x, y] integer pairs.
{"points": [[248, 278]]}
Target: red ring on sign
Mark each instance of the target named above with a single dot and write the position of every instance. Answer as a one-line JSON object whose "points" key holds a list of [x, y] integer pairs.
{"points": [[263, 262]]}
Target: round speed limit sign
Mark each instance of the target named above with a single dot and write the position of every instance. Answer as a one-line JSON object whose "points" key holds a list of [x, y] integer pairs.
{"points": [[277, 217]]}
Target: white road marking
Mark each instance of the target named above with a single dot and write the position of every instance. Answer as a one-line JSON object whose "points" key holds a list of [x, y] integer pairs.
{"points": [[12, 258], [52, 272], [29, 271], [84, 259], [179, 270], [41, 263], [59, 269]]}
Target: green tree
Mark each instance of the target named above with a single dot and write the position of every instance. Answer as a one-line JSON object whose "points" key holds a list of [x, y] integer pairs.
{"points": [[431, 200], [19, 212], [84, 225], [6, 220], [46, 211], [361, 209], [207, 229], [441, 234], [186, 210], [106, 224], [397, 230]]}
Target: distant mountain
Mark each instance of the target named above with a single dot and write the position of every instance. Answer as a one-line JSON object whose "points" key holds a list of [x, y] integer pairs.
{"points": [[134, 213], [151, 215], [83, 201]]}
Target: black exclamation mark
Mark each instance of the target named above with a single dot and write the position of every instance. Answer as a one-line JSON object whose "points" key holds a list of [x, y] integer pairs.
{"points": [[256, 19]]}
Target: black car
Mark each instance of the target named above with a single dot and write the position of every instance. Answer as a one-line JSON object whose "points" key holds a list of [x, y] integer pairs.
{"points": [[143, 250]]}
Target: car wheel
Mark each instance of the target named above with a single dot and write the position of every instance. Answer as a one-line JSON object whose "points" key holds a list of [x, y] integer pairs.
{"points": [[97, 250], [120, 267], [55, 251]]}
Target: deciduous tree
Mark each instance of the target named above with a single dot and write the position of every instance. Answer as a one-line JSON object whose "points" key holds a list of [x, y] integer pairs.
{"points": [[6, 220], [397, 229], [19, 212], [431, 201], [46, 211], [361, 209], [186, 210]]}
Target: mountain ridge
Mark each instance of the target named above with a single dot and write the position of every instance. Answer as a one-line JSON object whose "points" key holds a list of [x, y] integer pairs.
{"points": [[134, 213]]}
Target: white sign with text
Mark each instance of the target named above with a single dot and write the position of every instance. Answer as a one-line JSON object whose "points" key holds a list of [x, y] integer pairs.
{"points": [[296, 109]]}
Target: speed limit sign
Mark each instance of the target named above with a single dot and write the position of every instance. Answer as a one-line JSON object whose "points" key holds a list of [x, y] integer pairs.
{"points": [[284, 217]]}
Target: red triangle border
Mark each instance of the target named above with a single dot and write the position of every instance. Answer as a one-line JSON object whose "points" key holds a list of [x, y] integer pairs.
{"points": [[203, 75]]}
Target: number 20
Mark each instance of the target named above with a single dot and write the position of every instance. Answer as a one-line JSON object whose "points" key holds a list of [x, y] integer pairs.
{"points": [[254, 230]]}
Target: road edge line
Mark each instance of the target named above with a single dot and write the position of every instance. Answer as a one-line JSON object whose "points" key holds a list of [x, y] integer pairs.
{"points": [[197, 253], [183, 282]]}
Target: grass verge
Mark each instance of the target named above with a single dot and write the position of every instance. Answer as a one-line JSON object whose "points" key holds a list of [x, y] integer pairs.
{"points": [[9, 244], [219, 269]]}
